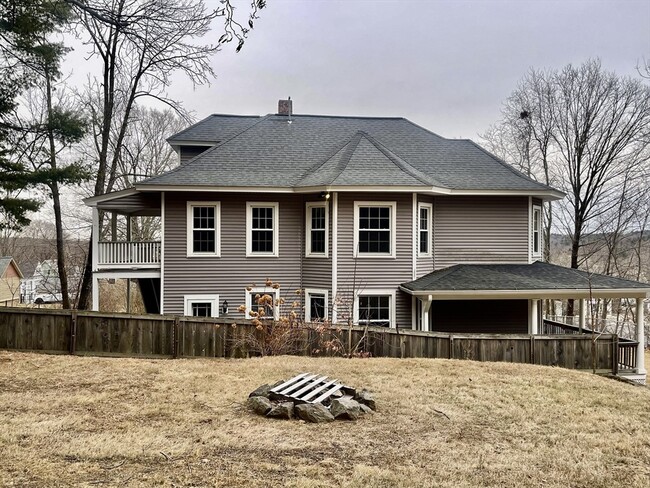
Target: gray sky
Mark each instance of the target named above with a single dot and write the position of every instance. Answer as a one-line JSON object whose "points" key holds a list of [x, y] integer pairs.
{"points": [[446, 65]]}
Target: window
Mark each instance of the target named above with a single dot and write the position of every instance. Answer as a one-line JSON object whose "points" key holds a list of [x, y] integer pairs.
{"points": [[424, 229], [271, 310], [203, 228], [374, 223], [315, 305], [375, 308], [316, 225], [537, 231], [262, 229], [201, 305]]}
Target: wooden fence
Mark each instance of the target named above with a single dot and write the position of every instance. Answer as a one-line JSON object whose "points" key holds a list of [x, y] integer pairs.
{"points": [[93, 333]]}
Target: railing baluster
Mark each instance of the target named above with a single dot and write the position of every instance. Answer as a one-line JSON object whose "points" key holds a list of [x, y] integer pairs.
{"points": [[128, 253]]}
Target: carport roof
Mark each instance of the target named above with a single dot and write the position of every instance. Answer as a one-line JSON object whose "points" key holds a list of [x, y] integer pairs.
{"points": [[541, 280]]}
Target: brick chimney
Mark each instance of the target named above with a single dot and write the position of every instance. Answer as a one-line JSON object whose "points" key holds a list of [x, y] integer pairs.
{"points": [[285, 107]]}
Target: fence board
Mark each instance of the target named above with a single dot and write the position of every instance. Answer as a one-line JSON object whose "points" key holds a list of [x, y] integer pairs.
{"points": [[153, 336]]}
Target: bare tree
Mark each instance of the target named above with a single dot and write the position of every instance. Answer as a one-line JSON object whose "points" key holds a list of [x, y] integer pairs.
{"points": [[150, 41], [593, 129]]}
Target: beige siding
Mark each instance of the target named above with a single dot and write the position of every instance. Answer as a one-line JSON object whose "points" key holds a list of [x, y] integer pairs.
{"points": [[230, 274], [480, 230], [366, 274]]}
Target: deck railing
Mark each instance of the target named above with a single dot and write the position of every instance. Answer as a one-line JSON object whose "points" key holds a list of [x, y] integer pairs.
{"points": [[127, 253], [627, 354], [627, 348]]}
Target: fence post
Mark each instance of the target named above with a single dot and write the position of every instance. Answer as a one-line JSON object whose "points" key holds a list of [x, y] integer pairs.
{"points": [[615, 355], [451, 347], [175, 332], [532, 349], [73, 332]]}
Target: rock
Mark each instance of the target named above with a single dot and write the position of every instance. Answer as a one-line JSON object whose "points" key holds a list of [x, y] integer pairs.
{"points": [[259, 404], [262, 391], [282, 410], [345, 408], [365, 397], [314, 412], [366, 408]]}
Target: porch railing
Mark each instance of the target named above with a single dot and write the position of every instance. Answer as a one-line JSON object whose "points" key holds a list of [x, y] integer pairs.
{"points": [[627, 354], [627, 348], [126, 253]]}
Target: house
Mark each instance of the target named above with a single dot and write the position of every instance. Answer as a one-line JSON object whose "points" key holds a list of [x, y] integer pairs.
{"points": [[10, 277], [377, 219], [44, 286]]}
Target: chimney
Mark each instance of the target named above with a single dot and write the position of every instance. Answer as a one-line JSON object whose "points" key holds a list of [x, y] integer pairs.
{"points": [[285, 107]]}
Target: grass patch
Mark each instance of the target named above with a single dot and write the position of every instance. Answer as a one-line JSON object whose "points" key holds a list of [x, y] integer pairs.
{"points": [[87, 421]]}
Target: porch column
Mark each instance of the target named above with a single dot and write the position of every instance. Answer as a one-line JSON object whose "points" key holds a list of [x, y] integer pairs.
{"points": [[583, 308], [426, 306], [533, 326], [95, 294], [640, 337], [95, 238]]}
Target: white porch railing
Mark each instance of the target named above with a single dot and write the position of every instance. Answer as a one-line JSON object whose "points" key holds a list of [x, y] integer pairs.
{"points": [[128, 254]]}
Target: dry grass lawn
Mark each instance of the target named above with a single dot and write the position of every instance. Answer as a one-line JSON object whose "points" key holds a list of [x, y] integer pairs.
{"points": [[87, 421]]}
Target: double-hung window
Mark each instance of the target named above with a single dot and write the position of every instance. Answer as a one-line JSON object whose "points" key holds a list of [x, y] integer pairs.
{"points": [[315, 305], [203, 228], [267, 308], [316, 225], [424, 229], [536, 228], [375, 308], [262, 229], [201, 305], [374, 229]]}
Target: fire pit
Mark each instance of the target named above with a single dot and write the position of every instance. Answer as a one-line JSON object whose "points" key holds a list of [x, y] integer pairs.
{"points": [[312, 398]]}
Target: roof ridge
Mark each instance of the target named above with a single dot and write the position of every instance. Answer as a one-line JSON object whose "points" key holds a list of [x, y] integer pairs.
{"points": [[348, 151], [216, 146], [402, 163], [327, 158]]}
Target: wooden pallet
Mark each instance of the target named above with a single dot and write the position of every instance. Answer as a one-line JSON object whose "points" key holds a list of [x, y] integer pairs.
{"points": [[309, 388]]}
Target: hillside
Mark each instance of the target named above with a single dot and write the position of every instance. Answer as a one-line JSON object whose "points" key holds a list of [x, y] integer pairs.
{"points": [[82, 421]]}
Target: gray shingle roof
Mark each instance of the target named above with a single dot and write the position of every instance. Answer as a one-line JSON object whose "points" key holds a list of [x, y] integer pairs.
{"points": [[215, 128], [317, 150], [497, 277]]}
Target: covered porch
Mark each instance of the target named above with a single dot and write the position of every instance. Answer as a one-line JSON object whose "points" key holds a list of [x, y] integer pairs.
{"points": [[506, 298], [127, 242]]}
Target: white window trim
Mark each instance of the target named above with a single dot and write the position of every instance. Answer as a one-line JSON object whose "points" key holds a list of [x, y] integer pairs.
{"points": [[188, 300], [538, 254], [393, 229], [250, 296], [376, 292], [249, 229], [308, 251], [429, 208], [315, 291], [190, 228]]}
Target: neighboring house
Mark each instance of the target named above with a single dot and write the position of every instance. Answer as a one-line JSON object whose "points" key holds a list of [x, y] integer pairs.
{"points": [[10, 277], [378, 220], [44, 286]]}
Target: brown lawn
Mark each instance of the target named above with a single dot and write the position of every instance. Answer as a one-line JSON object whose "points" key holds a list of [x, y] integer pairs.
{"points": [[85, 421]]}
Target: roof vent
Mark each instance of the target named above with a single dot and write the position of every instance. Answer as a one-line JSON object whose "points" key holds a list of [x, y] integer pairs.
{"points": [[285, 107]]}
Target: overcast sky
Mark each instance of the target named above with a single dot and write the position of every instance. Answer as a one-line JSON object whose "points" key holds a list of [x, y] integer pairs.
{"points": [[446, 65]]}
